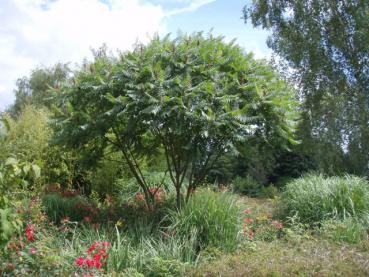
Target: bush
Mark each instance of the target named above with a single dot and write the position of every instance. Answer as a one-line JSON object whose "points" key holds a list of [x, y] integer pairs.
{"points": [[315, 198], [212, 216], [246, 185], [269, 192]]}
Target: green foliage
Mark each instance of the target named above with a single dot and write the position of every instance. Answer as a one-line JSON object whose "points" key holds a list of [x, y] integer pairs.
{"points": [[109, 176], [27, 137], [212, 216], [197, 97], [35, 89], [58, 207], [269, 191], [16, 176], [165, 268], [16, 180], [157, 256], [10, 223], [348, 230], [326, 45], [314, 198], [246, 185]]}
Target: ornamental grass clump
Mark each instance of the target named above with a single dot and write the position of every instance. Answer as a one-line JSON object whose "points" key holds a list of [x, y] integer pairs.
{"points": [[315, 198], [212, 216]]}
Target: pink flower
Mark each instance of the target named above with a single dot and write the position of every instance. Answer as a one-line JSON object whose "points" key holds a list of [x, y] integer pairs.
{"points": [[87, 218], [80, 261], [247, 211], [33, 250], [65, 219], [139, 196], [10, 266], [106, 244], [277, 224]]}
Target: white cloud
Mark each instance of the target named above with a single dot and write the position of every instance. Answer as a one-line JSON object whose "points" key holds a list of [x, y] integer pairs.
{"points": [[35, 32], [43, 32], [191, 5]]}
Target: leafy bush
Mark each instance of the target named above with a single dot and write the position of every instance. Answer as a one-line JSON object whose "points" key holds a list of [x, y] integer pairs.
{"points": [[10, 223], [212, 216], [315, 198], [27, 137], [246, 185], [269, 192]]}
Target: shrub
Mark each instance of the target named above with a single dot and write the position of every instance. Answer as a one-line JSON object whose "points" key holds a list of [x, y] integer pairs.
{"points": [[315, 198], [269, 192], [213, 216], [246, 185], [9, 224]]}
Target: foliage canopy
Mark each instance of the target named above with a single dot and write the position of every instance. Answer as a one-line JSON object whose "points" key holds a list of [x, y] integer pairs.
{"points": [[196, 97], [326, 43]]}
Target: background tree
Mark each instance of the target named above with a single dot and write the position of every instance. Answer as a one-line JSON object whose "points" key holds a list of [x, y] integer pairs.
{"points": [[326, 44], [196, 97], [35, 89]]}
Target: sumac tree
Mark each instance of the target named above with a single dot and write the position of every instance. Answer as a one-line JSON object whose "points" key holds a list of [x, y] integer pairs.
{"points": [[195, 97]]}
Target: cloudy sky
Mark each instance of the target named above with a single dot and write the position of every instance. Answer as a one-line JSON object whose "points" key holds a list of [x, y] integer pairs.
{"points": [[42, 32]]}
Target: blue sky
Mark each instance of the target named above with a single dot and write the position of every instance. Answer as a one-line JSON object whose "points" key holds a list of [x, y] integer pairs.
{"points": [[37, 33]]}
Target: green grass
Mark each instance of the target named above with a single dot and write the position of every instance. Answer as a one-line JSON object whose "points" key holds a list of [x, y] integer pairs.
{"points": [[283, 258], [315, 198], [213, 216]]}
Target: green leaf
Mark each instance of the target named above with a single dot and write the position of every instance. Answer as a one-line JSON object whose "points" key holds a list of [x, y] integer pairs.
{"points": [[11, 161], [26, 168], [36, 170]]}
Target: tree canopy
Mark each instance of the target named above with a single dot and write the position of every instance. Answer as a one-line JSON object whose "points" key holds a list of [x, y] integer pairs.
{"points": [[195, 97], [326, 43], [35, 89]]}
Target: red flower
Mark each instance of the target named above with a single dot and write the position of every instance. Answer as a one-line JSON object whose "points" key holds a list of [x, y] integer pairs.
{"points": [[33, 250], [30, 232], [97, 257], [251, 234], [92, 248], [87, 218], [248, 220], [80, 261], [90, 263]]}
